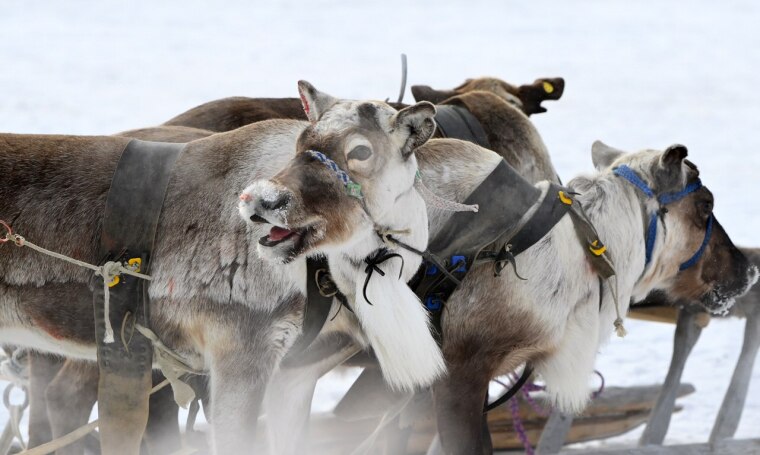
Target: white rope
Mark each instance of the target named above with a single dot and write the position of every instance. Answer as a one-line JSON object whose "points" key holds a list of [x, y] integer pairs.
{"points": [[108, 271], [438, 202], [172, 366], [620, 330]]}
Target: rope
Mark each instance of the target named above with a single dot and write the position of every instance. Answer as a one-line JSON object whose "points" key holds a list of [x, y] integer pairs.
{"points": [[16, 411], [433, 200], [171, 364], [108, 271], [79, 433], [514, 406]]}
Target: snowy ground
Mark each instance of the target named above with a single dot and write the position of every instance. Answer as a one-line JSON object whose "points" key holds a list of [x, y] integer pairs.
{"points": [[639, 74]]}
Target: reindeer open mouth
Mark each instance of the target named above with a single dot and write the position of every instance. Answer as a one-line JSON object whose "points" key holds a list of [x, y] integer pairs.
{"points": [[278, 235], [289, 241]]}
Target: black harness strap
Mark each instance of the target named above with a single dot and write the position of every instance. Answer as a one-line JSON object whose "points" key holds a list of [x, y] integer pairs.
{"points": [[320, 290], [456, 122], [131, 217], [526, 374], [453, 122]]}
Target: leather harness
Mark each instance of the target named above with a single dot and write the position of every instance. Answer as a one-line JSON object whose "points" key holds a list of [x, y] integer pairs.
{"points": [[452, 122], [139, 181]]}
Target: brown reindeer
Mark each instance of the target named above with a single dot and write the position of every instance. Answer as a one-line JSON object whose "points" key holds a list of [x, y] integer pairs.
{"points": [[230, 113], [63, 392], [212, 299], [509, 133]]}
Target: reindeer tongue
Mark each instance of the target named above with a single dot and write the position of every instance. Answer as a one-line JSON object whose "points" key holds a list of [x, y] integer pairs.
{"points": [[278, 233]]}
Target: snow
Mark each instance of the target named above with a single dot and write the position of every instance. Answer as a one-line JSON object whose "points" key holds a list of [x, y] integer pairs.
{"points": [[639, 74]]}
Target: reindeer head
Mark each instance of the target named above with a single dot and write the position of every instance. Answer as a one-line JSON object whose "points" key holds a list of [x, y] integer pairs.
{"points": [[353, 163], [527, 97], [690, 256]]}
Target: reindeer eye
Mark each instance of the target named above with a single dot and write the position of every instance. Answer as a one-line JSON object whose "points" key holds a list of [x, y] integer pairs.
{"points": [[360, 152], [705, 208]]}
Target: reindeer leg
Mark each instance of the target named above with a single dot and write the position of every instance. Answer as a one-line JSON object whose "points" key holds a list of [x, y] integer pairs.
{"points": [[162, 433], [459, 401], [246, 351], [70, 398], [686, 336], [733, 403], [289, 395], [42, 369]]}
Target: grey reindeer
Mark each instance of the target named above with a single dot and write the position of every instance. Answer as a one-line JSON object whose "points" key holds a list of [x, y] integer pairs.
{"points": [[214, 301], [554, 319]]}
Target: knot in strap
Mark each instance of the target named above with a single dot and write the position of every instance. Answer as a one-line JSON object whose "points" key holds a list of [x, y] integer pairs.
{"points": [[373, 261]]}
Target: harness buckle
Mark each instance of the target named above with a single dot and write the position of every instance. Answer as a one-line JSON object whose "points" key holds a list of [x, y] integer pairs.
{"points": [[325, 283], [597, 248]]}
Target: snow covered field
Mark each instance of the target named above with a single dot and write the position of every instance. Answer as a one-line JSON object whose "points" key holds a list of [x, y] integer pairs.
{"points": [[639, 74]]}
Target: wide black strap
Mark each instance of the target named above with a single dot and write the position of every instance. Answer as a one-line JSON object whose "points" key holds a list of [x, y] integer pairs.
{"points": [[551, 210], [503, 198], [456, 122], [320, 290], [133, 207], [512, 391]]}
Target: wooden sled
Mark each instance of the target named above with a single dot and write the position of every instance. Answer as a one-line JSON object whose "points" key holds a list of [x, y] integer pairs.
{"points": [[617, 411]]}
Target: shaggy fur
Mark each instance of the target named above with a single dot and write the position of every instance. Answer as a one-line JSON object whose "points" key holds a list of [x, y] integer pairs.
{"points": [[503, 122], [307, 193], [62, 394], [491, 325], [213, 300]]}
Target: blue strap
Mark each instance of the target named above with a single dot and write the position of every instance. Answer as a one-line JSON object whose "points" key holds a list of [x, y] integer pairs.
{"points": [[664, 199], [629, 174], [650, 238], [354, 189], [694, 259], [669, 198]]}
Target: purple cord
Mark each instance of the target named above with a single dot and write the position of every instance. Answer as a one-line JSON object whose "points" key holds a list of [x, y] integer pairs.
{"points": [[518, 425], [514, 406]]}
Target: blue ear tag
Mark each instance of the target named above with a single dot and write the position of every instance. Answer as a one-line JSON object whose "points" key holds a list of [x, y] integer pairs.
{"points": [[354, 190]]}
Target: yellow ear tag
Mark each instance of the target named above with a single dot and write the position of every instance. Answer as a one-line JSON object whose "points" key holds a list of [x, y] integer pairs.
{"points": [[565, 200], [135, 263], [114, 282], [596, 249], [548, 87]]}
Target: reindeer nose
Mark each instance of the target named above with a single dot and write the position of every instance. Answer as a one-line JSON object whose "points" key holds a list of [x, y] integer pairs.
{"points": [[280, 201], [245, 197]]}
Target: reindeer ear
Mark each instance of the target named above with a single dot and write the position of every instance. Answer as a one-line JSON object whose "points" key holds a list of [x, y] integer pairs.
{"points": [[315, 103], [425, 93], [542, 89], [602, 155], [415, 124], [674, 155]]}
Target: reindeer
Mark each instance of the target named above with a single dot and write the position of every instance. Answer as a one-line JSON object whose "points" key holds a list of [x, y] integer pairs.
{"points": [[557, 319], [227, 114], [498, 106], [63, 391], [214, 301]]}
